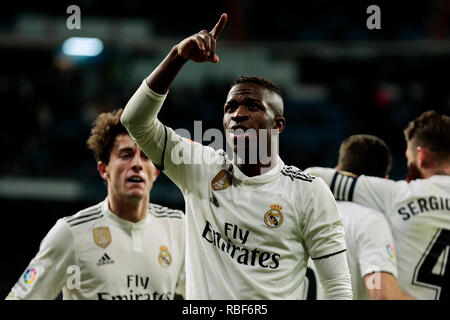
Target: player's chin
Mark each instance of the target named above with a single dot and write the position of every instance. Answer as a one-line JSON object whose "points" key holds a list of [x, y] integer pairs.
{"points": [[243, 141], [137, 193]]}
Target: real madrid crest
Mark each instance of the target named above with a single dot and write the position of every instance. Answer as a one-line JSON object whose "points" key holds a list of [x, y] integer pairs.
{"points": [[164, 257], [273, 218], [102, 237]]}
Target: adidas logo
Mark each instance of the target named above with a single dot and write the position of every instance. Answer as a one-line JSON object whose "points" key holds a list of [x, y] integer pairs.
{"points": [[105, 259]]}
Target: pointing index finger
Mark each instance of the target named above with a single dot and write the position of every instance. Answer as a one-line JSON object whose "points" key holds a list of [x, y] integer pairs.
{"points": [[215, 32]]}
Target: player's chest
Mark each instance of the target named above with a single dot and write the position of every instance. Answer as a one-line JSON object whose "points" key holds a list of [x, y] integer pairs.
{"points": [[243, 211], [108, 252]]}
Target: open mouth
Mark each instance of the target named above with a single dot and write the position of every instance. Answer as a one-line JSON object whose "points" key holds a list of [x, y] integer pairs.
{"points": [[135, 179], [239, 126], [240, 131]]}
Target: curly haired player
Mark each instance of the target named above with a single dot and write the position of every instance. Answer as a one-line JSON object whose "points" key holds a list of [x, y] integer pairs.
{"points": [[122, 248]]}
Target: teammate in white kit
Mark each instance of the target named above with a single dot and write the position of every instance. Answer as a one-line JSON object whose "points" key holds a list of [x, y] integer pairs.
{"points": [[122, 248], [250, 226], [370, 246], [418, 209]]}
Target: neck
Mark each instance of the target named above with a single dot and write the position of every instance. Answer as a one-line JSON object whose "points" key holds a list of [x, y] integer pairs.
{"points": [[129, 209], [252, 170], [255, 160], [442, 171]]}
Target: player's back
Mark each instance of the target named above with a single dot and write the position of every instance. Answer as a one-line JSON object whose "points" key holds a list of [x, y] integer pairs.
{"points": [[370, 245], [369, 249], [420, 220]]}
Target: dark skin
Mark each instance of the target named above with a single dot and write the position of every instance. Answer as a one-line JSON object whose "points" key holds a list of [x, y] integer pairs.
{"points": [[248, 105], [251, 106]]}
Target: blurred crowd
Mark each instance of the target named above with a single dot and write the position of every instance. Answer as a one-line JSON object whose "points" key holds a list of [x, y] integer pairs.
{"points": [[48, 109], [48, 104]]}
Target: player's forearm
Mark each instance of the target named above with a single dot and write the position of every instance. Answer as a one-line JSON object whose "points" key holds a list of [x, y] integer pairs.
{"points": [[404, 296], [325, 173], [140, 119], [372, 192], [140, 114], [335, 277], [391, 294], [387, 289], [399, 295], [162, 77]]}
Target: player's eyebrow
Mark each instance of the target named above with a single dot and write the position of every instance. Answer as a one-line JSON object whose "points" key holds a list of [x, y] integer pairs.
{"points": [[246, 101], [125, 149]]}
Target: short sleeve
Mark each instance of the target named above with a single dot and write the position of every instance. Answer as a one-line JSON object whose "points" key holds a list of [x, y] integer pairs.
{"points": [[46, 274], [373, 192], [375, 244]]}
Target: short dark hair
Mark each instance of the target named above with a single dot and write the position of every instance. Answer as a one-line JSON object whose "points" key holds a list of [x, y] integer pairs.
{"points": [[365, 154], [107, 127], [432, 131], [259, 81]]}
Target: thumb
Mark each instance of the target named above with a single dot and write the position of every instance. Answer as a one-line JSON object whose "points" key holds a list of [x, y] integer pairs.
{"points": [[215, 59]]}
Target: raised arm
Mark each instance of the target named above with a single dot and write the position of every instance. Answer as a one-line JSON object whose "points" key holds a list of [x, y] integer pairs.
{"points": [[199, 47], [373, 192], [140, 113]]}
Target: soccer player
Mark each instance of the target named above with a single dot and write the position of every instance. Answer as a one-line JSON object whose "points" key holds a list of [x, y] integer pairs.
{"points": [[124, 247], [418, 209], [251, 226], [370, 245]]}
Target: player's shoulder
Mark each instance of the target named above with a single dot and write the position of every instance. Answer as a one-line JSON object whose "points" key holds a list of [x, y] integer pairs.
{"points": [[296, 175], [436, 181], [223, 156], [161, 212], [84, 216], [362, 219], [360, 213]]}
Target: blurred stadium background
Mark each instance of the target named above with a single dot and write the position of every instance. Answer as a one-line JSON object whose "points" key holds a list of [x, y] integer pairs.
{"points": [[337, 76]]}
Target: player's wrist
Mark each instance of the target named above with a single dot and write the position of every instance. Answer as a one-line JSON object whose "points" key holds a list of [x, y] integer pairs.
{"points": [[176, 56]]}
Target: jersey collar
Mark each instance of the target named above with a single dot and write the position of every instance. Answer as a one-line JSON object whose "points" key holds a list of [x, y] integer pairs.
{"points": [[262, 178], [122, 222]]}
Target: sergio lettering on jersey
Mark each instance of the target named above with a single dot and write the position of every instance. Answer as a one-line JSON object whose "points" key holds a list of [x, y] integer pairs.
{"points": [[422, 205], [241, 254]]}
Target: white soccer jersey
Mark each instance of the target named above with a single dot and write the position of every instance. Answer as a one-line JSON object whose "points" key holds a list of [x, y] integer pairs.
{"points": [[247, 237], [419, 214], [370, 248], [95, 254]]}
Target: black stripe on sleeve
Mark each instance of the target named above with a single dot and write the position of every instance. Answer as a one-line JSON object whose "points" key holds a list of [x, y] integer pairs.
{"points": [[339, 179], [352, 189], [333, 182], [80, 222], [97, 211], [328, 255], [161, 167], [171, 216], [344, 188]]}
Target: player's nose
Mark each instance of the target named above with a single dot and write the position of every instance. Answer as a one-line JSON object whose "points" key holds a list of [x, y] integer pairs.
{"points": [[240, 114], [136, 162]]}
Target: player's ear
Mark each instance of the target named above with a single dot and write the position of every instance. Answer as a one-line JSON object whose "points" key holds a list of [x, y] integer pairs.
{"points": [[279, 123], [103, 170], [423, 157], [156, 174]]}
